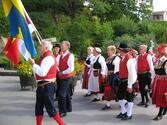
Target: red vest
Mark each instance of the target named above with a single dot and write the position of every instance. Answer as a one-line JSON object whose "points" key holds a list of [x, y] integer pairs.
{"points": [[56, 55], [123, 70], [142, 64], [63, 66], [53, 70]]}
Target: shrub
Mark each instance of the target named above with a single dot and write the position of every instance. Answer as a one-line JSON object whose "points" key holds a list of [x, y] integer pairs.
{"points": [[24, 69]]}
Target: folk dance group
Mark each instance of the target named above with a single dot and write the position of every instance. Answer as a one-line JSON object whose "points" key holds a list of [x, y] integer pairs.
{"points": [[53, 74], [124, 73]]}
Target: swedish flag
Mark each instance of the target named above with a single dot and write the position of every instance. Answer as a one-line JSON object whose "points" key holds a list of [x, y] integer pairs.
{"points": [[18, 25]]}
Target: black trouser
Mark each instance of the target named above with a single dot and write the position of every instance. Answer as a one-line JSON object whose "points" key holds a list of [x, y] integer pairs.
{"points": [[123, 93], [64, 100], [45, 98], [144, 80], [57, 87]]}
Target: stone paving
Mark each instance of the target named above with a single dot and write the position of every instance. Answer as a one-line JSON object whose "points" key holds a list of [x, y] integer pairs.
{"points": [[17, 108]]}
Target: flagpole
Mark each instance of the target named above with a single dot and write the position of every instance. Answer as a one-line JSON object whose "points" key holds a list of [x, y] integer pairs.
{"points": [[39, 37]]}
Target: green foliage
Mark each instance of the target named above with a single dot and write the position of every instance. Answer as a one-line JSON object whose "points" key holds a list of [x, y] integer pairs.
{"points": [[24, 69], [3, 23], [101, 23], [79, 67], [124, 26], [5, 62]]}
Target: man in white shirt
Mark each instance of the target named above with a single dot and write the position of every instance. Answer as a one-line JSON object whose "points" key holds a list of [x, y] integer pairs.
{"points": [[57, 50], [45, 71], [145, 70], [66, 72], [128, 76]]}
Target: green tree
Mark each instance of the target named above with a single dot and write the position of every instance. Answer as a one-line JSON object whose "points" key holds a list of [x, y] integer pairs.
{"points": [[124, 26], [4, 24]]}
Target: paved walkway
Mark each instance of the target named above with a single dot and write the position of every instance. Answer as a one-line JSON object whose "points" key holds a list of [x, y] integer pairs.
{"points": [[17, 108]]}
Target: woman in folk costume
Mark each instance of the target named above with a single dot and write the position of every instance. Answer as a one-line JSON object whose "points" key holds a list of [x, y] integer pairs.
{"points": [[159, 88], [110, 90], [86, 70], [97, 72]]}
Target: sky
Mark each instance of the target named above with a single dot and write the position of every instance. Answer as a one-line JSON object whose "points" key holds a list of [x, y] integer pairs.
{"points": [[160, 5]]}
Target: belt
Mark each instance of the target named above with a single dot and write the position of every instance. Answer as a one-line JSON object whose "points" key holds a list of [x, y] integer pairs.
{"points": [[44, 83], [110, 72], [143, 73], [124, 80]]}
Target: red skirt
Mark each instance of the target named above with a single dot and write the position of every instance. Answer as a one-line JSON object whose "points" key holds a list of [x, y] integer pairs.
{"points": [[108, 93], [85, 78], [159, 88], [102, 83]]}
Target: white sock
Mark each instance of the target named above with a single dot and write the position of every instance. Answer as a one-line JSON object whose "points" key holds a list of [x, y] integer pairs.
{"points": [[99, 96], [129, 109], [125, 101], [122, 104], [108, 104]]}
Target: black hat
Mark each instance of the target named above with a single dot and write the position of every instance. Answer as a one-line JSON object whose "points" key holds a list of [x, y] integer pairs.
{"points": [[123, 47], [56, 45]]}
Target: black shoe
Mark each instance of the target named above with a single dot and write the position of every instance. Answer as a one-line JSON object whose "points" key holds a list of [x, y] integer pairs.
{"points": [[63, 114], [69, 110], [95, 100], [126, 118], [157, 118], [87, 95], [106, 108], [147, 104], [141, 104], [120, 115]]}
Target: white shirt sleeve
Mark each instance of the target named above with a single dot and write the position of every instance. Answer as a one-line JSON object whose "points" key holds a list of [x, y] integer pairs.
{"points": [[116, 63], [45, 66], [70, 64], [132, 74], [150, 62], [166, 67], [103, 65]]}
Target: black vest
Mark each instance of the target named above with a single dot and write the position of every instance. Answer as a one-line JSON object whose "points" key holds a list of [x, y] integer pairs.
{"points": [[110, 65], [97, 65], [88, 60], [161, 70]]}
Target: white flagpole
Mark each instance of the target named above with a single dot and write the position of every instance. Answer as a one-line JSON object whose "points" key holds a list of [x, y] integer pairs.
{"points": [[36, 31]]}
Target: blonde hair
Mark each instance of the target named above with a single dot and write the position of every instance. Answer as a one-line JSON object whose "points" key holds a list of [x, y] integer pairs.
{"points": [[112, 48], [143, 46], [67, 43], [47, 44], [90, 48]]}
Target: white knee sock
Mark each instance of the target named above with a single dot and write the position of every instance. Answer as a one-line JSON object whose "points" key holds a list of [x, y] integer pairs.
{"points": [[108, 104], [125, 101], [122, 104], [89, 93], [99, 96], [129, 109]]}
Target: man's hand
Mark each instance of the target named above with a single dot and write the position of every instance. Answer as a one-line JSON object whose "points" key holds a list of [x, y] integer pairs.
{"points": [[60, 73], [130, 90], [31, 61], [103, 76]]}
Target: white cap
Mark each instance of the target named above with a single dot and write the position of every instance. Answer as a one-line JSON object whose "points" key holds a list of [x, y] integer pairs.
{"points": [[98, 49]]}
